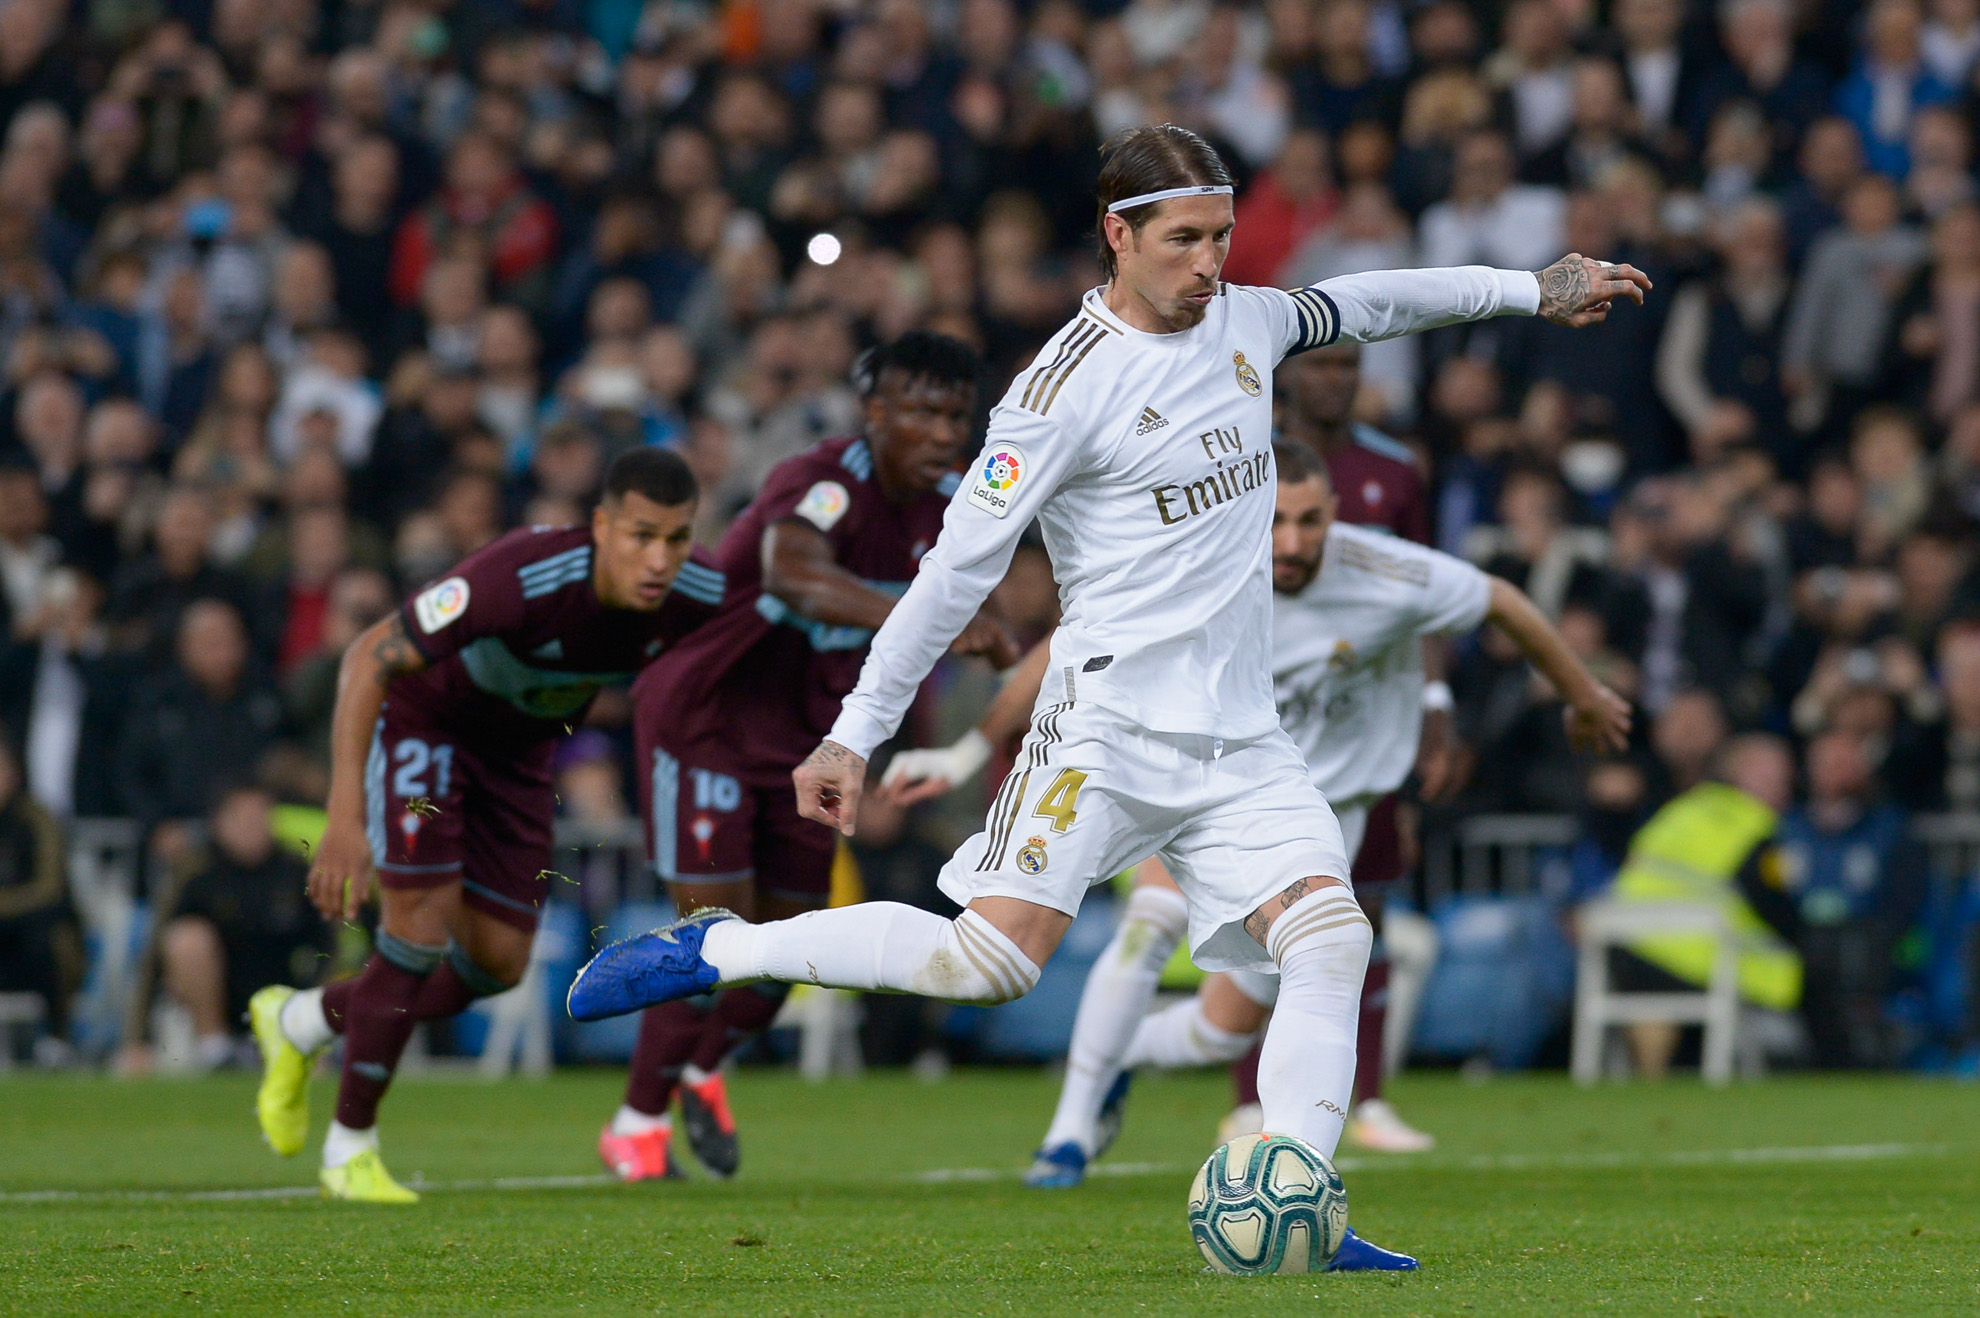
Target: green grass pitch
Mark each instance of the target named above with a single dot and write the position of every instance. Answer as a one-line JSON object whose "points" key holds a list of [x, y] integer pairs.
{"points": [[889, 1196]]}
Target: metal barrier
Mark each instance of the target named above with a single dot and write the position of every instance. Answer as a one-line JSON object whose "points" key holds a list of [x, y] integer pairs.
{"points": [[1508, 854], [608, 865]]}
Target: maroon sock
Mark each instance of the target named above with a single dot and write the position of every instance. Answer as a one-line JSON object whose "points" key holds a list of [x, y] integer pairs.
{"points": [[740, 1015], [441, 994], [378, 1020], [1244, 1074], [1368, 1036], [667, 1037], [337, 1001]]}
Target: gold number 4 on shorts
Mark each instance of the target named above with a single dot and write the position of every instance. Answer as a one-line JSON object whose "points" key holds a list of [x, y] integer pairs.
{"points": [[1060, 801]]}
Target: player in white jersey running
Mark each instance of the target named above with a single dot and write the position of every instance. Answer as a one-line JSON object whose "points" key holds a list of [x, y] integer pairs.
{"points": [[1351, 607], [1139, 442]]}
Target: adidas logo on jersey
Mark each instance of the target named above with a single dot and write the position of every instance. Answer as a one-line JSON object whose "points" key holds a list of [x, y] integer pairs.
{"points": [[1151, 421]]}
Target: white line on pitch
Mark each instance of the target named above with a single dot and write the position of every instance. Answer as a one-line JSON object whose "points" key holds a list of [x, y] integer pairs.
{"points": [[954, 1175], [291, 1191], [1508, 1162]]}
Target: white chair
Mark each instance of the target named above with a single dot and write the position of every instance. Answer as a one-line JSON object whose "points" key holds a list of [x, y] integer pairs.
{"points": [[1606, 924], [17, 1010]]}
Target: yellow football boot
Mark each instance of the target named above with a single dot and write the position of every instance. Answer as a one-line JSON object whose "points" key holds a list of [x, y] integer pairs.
{"points": [[282, 1102], [364, 1180]]}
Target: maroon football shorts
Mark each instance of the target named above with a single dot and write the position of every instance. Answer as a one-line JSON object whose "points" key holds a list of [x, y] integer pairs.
{"points": [[707, 822], [438, 812], [1379, 863]]}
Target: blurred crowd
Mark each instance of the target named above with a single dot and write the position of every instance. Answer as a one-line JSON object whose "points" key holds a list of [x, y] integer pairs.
{"points": [[303, 300]]}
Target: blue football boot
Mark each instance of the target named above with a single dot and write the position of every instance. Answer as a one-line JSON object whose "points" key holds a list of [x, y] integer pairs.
{"points": [[660, 966], [1357, 1255], [1058, 1168]]}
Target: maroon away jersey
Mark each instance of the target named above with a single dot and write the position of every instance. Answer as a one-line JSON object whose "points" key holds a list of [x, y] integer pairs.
{"points": [[755, 690], [1378, 484], [517, 643]]}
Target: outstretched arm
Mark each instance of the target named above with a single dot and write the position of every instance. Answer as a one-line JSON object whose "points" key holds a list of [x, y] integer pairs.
{"points": [[1597, 718], [1387, 304]]}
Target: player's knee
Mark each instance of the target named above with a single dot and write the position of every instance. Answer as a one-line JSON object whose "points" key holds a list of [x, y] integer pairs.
{"points": [[485, 981], [1327, 919], [414, 958], [977, 964]]}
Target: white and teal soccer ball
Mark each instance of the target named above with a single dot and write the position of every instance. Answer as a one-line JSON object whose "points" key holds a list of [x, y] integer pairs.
{"points": [[1268, 1203]]}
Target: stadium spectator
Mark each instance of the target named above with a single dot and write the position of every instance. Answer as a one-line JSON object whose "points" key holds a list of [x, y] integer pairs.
{"points": [[235, 916], [1489, 219], [1717, 364], [1890, 83], [194, 727], [1851, 884], [1943, 770], [40, 951], [1711, 845], [1832, 350]]}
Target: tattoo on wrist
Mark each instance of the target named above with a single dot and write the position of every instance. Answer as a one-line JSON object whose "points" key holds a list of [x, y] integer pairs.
{"points": [[1563, 288], [831, 752]]}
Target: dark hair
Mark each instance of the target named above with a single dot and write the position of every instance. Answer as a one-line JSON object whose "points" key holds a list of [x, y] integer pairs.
{"points": [[920, 355], [1298, 464], [659, 474], [1152, 158]]}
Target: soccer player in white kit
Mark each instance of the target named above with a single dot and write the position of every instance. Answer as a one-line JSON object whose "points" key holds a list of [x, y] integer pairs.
{"points": [[1139, 440], [1351, 607]]}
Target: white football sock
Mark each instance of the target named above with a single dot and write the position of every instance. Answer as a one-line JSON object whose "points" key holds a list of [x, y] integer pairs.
{"points": [[631, 1121], [342, 1143], [1118, 991], [303, 1021], [876, 945], [1181, 1035], [1306, 1072], [1411, 940]]}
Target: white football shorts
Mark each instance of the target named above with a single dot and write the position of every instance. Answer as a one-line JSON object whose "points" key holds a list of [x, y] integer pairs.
{"points": [[1092, 793], [1261, 984]]}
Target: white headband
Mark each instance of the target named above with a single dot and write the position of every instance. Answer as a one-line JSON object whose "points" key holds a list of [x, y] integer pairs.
{"points": [[1148, 198]]}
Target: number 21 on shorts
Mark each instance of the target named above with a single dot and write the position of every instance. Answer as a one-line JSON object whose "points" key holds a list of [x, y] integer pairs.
{"points": [[1060, 801]]}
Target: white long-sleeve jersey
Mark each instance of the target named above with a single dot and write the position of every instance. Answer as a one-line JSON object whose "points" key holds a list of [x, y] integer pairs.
{"points": [[1147, 461]]}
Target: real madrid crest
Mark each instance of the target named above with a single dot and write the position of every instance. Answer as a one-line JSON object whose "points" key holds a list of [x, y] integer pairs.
{"points": [[1247, 378], [1031, 856]]}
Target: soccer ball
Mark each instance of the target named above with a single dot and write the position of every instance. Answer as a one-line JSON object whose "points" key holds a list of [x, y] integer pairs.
{"points": [[1267, 1203]]}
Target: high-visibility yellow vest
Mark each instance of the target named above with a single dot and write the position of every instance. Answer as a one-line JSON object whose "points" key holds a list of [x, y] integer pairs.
{"points": [[1690, 851]]}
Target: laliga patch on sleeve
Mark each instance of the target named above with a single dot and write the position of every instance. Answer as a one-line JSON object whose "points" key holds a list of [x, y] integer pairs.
{"points": [[998, 472], [824, 504], [440, 603]]}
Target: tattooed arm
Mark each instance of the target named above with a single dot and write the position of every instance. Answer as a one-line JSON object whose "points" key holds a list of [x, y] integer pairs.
{"points": [[1576, 290], [340, 877]]}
